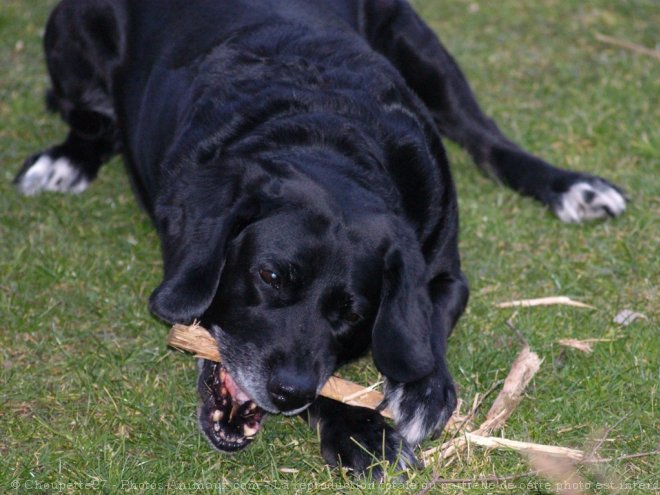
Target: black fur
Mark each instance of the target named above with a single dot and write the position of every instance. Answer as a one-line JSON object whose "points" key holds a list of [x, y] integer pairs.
{"points": [[289, 153]]}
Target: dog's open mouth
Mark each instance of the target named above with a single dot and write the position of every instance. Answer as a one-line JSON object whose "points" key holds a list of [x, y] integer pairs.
{"points": [[227, 415]]}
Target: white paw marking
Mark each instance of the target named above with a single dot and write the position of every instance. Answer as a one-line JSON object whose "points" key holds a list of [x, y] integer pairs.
{"points": [[47, 174], [394, 394], [413, 431], [414, 426], [588, 200]]}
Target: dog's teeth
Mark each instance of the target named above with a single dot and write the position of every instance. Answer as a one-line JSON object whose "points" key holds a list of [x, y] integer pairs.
{"points": [[249, 432], [252, 406], [222, 374], [216, 427], [217, 415], [222, 434]]}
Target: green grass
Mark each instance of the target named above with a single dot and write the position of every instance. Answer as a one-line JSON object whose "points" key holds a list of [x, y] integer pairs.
{"points": [[90, 394]]}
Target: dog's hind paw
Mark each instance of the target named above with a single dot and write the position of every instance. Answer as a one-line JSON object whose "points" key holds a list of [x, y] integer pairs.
{"points": [[590, 198], [43, 172]]}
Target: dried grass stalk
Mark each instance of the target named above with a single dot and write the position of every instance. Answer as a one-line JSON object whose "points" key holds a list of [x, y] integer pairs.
{"points": [[524, 447], [543, 301], [582, 345], [523, 369], [628, 45]]}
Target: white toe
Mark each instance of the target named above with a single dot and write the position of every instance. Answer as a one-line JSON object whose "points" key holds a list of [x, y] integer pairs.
{"points": [[589, 200], [58, 175]]}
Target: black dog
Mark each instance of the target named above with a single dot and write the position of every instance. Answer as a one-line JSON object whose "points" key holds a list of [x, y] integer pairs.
{"points": [[289, 154]]}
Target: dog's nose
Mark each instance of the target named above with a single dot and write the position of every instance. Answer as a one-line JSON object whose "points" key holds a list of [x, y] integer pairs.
{"points": [[289, 389]]}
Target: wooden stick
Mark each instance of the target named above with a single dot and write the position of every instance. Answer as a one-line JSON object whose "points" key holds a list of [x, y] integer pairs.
{"points": [[364, 391], [198, 340], [543, 301], [339, 389], [195, 339]]}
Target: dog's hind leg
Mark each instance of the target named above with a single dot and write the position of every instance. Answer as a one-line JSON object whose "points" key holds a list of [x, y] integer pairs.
{"points": [[68, 167], [393, 28], [81, 47]]}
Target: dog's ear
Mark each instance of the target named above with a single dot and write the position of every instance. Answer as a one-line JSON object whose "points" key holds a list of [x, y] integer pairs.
{"points": [[401, 337], [192, 265], [194, 237]]}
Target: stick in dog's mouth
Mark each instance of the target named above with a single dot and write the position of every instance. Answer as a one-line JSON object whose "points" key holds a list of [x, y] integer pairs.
{"points": [[227, 416]]}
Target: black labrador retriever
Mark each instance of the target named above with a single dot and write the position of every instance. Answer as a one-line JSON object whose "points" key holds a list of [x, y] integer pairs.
{"points": [[289, 153]]}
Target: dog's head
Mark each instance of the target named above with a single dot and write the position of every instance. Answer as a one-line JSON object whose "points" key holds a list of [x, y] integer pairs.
{"points": [[291, 287]]}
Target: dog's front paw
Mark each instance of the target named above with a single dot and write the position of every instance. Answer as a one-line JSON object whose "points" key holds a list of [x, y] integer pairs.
{"points": [[589, 198], [421, 408], [359, 439]]}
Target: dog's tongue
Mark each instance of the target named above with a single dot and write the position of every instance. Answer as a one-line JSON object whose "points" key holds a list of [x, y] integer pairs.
{"points": [[236, 392]]}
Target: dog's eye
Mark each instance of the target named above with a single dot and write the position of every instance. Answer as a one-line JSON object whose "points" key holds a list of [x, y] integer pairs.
{"points": [[352, 317], [271, 278]]}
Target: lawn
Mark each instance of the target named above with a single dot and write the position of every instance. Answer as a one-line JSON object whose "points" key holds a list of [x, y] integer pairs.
{"points": [[91, 399]]}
